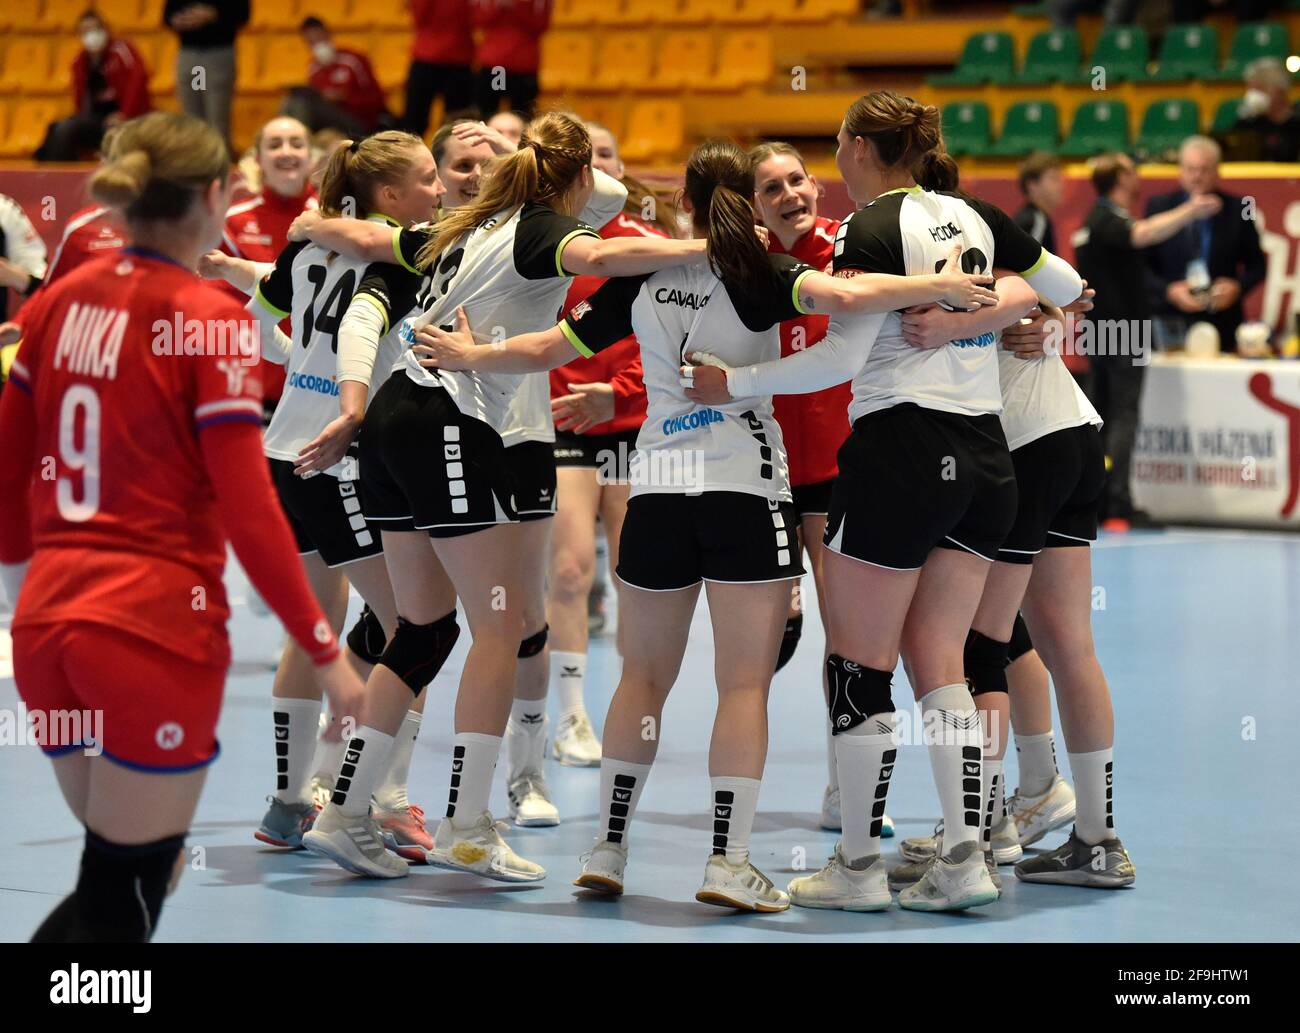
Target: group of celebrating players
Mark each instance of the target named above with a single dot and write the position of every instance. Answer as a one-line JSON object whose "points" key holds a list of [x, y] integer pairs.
{"points": [[866, 393]]}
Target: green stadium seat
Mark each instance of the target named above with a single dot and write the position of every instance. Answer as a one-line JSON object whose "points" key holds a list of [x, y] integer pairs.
{"points": [[967, 127], [1099, 125], [986, 57], [1123, 51], [1188, 52], [1253, 40], [1030, 125], [1225, 116], [1053, 56], [1165, 125]]}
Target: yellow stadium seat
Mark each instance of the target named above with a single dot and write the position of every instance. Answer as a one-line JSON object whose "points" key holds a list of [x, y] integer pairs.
{"points": [[59, 15], [391, 59], [248, 62], [685, 60], [60, 80], [284, 63], [248, 115], [700, 12], [623, 62], [609, 112], [755, 12], [120, 15], [338, 14], [567, 59], [26, 63], [820, 10], [654, 130], [162, 61], [634, 12], [383, 15], [274, 14], [28, 121], [580, 13], [744, 60]]}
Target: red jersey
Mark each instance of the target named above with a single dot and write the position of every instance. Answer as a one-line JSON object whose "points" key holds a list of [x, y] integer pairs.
{"points": [[814, 425], [126, 80], [443, 32], [257, 228], [511, 33], [619, 364], [108, 482], [89, 234], [349, 81]]}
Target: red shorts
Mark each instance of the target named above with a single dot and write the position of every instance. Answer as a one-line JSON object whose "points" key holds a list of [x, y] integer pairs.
{"points": [[145, 707]]}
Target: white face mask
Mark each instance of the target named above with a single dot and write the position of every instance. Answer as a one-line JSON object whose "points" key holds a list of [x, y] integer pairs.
{"points": [[94, 40], [323, 52], [1254, 103]]}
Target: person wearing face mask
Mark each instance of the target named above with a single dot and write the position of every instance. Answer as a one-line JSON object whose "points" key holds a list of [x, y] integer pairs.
{"points": [[341, 92], [110, 84], [1268, 124]]}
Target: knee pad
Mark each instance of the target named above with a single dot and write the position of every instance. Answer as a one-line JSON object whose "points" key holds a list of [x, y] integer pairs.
{"points": [[1020, 643], [416, 652], [857, 692], [985, 660], [790, 640], [533, 644], [367, 639], [121, 889]]}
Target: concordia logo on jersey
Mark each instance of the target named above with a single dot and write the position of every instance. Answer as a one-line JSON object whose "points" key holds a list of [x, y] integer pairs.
{"points": [[226, 338], [692, 421], [311, 382]]}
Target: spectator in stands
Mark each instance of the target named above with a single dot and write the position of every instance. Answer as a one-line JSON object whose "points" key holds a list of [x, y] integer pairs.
{"points": [[508, 124], [1108, 251], [1206, 269], [441, 60], [509, 53], [1043, 186], [342, 92], [1268, 124], [110, 84], [205, 63], [22, 252]]}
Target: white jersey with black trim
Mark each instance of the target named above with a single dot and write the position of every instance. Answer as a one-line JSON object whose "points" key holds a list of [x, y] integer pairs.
{"points": [[684, 447], [314, 286], [1039, 397]]}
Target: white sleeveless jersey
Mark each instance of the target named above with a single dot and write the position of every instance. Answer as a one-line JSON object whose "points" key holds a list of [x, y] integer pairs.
{"points": [[684, 447], [507, 275], [908, 232], [1039, 397], [314, 286]]}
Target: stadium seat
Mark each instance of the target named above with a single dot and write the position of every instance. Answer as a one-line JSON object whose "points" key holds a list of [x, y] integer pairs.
{"points": [[1165, 125], [60, 80], [391, 59], [1225, 116], [1123, 51], [1188, 52], [966, 127], [986, 57], [578, 13], [745, 59], [685, 61], [757, 12], [654, 130], [1053, 56], [274, 14], [567, 59], [339, 14], [248, 62], [1099, 125], [26, 60], [284, 63], [58, 15], [1030, 125], [162, 63], [624, 61], [1252, 41], [28, 121], [630, 13], [130, 16], [701, 12]]}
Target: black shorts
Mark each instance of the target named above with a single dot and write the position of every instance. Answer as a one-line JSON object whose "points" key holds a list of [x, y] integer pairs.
{"points": [[1061, 479], [609, 453], [425, 465], [812, 499], [532, 471], [325, 515], [914, 479], [672, 540]]}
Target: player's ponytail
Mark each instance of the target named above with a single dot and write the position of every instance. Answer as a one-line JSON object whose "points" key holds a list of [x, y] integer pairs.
{"points": [[156, 165], [720, 187], [937, 171], [902, 129], [358, 168]]}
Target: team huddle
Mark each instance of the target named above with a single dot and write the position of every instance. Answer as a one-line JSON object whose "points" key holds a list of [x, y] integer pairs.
{"points": [[870, 401]]}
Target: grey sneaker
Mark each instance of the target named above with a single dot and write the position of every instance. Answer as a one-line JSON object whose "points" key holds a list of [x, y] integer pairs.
{"points": [[954, 881], [909, 873], [1005, 840], [992, 866], [1104, 866], [355, 844], [283, 824]]}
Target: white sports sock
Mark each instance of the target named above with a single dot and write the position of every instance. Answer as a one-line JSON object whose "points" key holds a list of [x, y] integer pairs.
{"points": [[865, 757], [525, 737], [473, 760], [1036, 757], [1092, 773], [329, 755], [954, 741], [391, 795], [992, 780], [568, 673], [832, 769], [735, 800], [295, 723], [364, 762], [621, 783], [1000, 800]]}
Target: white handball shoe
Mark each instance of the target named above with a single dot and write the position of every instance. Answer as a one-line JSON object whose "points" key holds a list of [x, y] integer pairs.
{"points": [[1004, 840], [1036, 816], [529, 800], [602, 868], [354, 844], [480, 850], [840, 887], [739, 886], [953, 882], [575, 743]]}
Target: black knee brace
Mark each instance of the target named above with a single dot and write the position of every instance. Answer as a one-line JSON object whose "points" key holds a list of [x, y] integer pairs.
{"points": [[533, 644], [985, 660], [119, 894], [367, 639], [416, 652], [857, 692], [790, 640], [1020, 643]]}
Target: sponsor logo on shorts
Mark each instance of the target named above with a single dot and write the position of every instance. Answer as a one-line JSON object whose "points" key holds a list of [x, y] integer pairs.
{"points": [[169, 735]]}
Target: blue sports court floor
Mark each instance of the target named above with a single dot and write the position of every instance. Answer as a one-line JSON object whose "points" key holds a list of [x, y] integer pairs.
{"points": [[1197, 637]]}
